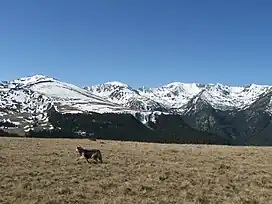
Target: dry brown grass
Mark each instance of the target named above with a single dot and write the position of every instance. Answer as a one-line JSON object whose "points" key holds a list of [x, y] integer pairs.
{"points": [[46, 171]]}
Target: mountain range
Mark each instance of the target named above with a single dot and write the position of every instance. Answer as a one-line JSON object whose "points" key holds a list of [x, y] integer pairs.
{"points": [[213, 113]]}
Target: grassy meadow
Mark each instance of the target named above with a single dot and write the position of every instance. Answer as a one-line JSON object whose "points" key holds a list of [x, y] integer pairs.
{"points": [[46, 171]]}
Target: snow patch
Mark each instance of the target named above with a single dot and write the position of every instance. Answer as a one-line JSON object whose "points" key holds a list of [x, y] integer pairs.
{"points": [[116, 83]]}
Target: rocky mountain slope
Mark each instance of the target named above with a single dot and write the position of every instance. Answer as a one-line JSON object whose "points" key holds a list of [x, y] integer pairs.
{"points": [[27, 100], [177, 95], [46, 107], [239, 115], [235, 113]]}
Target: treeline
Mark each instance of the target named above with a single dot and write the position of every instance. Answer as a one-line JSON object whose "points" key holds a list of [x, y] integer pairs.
{"points": [[7, 134], [125, 127]]}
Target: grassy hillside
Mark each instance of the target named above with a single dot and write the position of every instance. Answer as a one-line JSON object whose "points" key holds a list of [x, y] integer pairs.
{"points": [[46, 171]]}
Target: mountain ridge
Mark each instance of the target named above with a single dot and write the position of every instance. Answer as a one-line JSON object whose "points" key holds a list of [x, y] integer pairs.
{"points": [[177, 94], [214, 108]]}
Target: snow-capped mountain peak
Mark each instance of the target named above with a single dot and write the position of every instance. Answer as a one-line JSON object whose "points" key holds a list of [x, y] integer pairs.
{"points": [[188, 88], [178, 94], [31, 97], [180, 84], [116, 83], [24, 81], [64, 95], [174, 95]]}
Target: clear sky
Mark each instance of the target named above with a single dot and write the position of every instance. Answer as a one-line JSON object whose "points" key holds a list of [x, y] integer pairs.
{"points": [[139, 42]]}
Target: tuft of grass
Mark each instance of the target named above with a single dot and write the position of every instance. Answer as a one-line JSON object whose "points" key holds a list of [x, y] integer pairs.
{"points": [[46, 171]]}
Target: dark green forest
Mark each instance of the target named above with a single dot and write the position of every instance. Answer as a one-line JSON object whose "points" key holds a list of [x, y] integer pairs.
{"points": [[125, 127]]}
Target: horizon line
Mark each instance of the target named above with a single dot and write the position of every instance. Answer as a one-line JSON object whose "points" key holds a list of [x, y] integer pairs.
{"points": [[127, 84]]}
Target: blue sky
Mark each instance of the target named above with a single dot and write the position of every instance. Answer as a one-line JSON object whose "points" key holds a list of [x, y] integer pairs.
{"points": [[139, 42]]}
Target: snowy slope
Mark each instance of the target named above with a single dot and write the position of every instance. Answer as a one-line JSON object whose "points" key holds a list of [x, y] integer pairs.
{"points": [[177, 94], [26, 100], [227, 97], [66, 97], [126, 96], [38, 92], [57, 90], [60, 93]]}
